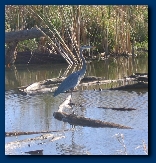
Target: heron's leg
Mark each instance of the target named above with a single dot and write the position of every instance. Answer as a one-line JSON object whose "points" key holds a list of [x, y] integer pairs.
{"points": [[71, 96], [71, 104]]}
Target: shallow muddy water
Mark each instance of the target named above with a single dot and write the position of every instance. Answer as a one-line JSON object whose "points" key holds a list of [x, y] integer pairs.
{"points": [[34, 113]]}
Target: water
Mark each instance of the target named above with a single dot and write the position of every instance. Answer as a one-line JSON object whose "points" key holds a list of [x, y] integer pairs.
{"points": [[32, 113]]}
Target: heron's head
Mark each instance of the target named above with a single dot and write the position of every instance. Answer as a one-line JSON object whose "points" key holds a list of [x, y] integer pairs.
{"points": [[86, 47]]}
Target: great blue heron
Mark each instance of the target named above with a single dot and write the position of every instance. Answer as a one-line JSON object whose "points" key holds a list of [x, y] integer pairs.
{"points": [[73, 79]]}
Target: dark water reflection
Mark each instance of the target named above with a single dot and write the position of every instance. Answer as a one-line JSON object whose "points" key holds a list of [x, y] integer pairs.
{"points": [[35, 112], [112, 68]]}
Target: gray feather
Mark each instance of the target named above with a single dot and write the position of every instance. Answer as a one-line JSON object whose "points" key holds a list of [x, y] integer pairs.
{"points": [[74, 79]]}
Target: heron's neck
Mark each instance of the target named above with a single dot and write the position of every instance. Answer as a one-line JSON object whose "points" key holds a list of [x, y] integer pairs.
{"points": [[83, 69]]}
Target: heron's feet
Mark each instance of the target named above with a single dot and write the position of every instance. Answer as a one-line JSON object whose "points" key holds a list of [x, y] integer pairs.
{"points": [[72, 127]]}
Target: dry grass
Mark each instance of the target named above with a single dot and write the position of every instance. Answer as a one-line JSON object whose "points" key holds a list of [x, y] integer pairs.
{"points": [[112, 29]]}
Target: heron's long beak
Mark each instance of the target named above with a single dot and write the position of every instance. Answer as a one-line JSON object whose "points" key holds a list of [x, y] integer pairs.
{"points": [[87, 47]]}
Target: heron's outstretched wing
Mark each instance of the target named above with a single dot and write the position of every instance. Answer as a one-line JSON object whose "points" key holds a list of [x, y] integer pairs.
{"points": [[69, 83]]}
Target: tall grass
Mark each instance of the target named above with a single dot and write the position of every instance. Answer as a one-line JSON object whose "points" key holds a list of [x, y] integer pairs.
{"points": [[112, 29]]}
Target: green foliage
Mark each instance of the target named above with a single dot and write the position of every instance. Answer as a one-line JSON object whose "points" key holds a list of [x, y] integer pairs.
{"points": [[109, 28], [143, 45], [27, 45]]}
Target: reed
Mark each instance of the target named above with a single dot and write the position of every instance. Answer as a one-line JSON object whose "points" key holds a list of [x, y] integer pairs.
{"points": [[112, 29]]}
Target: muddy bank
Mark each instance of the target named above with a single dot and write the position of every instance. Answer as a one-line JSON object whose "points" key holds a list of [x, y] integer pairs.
{"points": [[38, 58]]}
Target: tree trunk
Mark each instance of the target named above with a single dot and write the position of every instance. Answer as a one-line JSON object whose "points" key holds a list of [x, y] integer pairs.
{"points": [[24, 35], [12, 39], [11, 53]]}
